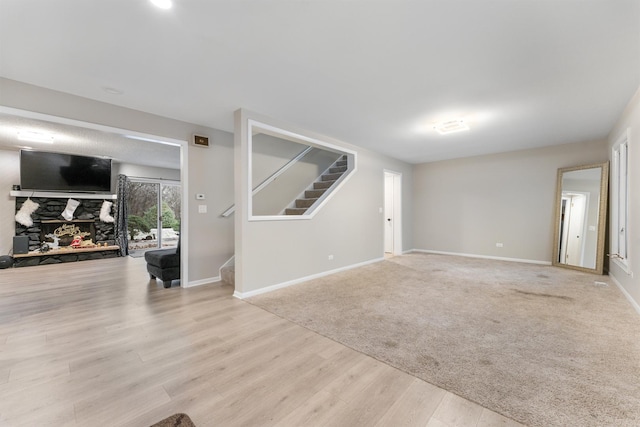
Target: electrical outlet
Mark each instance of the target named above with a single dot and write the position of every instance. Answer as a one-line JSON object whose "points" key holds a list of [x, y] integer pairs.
{"points": [[330, 257], [202, 208], [499, 245]]}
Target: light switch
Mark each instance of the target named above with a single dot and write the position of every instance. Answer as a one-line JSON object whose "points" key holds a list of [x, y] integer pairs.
{"points": [[200, 196], [202, 208]]}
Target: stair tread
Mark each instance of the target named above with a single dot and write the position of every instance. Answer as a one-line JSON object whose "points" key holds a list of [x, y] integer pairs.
{"points": [[305, 203], [321, 185], [314, 194], [295, 211], [331, 176]]}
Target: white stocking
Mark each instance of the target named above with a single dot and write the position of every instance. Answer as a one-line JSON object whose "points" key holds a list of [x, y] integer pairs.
{"points": [[105, 212], [70, 209], [24, 214]]}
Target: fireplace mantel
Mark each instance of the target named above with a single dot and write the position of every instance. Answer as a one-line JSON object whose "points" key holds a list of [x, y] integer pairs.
{"points": [[54, 195]]}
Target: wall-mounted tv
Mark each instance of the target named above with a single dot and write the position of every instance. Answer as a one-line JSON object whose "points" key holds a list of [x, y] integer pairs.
{"points": [[44, 171]]}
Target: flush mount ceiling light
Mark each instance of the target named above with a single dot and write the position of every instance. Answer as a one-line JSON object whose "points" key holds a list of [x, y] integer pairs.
{"points": [[35, 136], [451, 126], [162, 4]]}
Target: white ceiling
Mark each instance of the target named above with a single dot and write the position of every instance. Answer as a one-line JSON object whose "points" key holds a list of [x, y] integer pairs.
{"points": [[87, 142], [521, 73]]}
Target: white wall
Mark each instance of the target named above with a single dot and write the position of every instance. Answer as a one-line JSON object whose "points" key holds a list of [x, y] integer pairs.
{"points": [[630, 119], [349, 227], [468, 205], [208, 170], [140, 171], [269, 154], [9, 175]]}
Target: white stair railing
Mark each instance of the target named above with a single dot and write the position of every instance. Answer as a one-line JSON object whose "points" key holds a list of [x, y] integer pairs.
{"points": [[271, 178]]}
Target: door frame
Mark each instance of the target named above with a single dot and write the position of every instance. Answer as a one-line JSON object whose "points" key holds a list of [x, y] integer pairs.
{"points": [[160, 183], [396, 197], [568, 217], [184, 176]]}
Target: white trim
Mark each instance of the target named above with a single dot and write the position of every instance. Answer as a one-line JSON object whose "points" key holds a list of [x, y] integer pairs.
{"points": [[619, 150], [296, 137], [243, 295], [633, 302], [498, 258], [53, 194], [184, 214], [207, 281], [352, 168], [624, 266]]}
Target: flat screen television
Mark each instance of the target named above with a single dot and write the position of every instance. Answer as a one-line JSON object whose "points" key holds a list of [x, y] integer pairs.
{"points": [[45, 171]]}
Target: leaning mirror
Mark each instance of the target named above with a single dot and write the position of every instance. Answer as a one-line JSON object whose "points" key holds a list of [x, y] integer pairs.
{"points": [[580, 220]]}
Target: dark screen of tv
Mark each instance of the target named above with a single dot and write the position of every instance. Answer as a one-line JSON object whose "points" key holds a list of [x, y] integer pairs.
{"points": [[44, 171]]}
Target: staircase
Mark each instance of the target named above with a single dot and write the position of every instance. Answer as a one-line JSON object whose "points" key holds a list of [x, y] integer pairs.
{"points": [[228, 274], [319, 187]]}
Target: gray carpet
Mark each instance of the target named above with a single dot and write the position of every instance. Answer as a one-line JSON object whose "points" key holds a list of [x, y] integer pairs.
{"points": [[542, 345]]}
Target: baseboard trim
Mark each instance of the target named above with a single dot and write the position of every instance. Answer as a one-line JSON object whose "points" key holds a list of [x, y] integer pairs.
{"points": [[243, 295], [201, 282], [627, 295], [528, 261]]}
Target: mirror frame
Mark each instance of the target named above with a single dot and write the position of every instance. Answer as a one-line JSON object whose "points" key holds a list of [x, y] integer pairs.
{"points": [[602, 217]]}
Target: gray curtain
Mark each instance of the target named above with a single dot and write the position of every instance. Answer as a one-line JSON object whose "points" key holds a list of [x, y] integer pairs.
{"points": [[122, 234]]}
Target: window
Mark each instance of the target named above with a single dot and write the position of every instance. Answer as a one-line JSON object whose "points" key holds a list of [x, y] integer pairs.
{"points": [[619, 200]]}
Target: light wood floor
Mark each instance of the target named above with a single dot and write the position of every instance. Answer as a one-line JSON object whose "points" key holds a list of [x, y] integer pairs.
{"points": [[95, 343]]}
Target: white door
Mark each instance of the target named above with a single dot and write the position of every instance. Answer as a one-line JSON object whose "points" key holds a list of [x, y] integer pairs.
{"points": [[388, 212], [575, 230], [392, 212]]}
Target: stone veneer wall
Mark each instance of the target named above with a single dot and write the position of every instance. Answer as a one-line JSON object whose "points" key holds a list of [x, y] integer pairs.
{"points": [[52, 208]]}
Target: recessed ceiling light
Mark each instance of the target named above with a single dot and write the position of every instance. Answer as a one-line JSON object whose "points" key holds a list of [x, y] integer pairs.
{"points": [[35, 136], [112, 90], [162, 4], [451, 126]]}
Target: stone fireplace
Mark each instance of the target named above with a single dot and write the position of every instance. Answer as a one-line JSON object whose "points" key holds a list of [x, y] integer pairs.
{"points": [[50, 227]]}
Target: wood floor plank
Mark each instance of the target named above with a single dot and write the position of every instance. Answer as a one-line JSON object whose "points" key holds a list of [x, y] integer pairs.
{"points": [[107, 346], [454, 411], [374, 401], [415, 407], [317, 411], [492, 419]]}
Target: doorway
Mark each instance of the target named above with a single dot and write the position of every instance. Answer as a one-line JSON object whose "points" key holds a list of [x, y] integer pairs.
{"points": [[153, 215], [572, 228], [392, 213]]}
